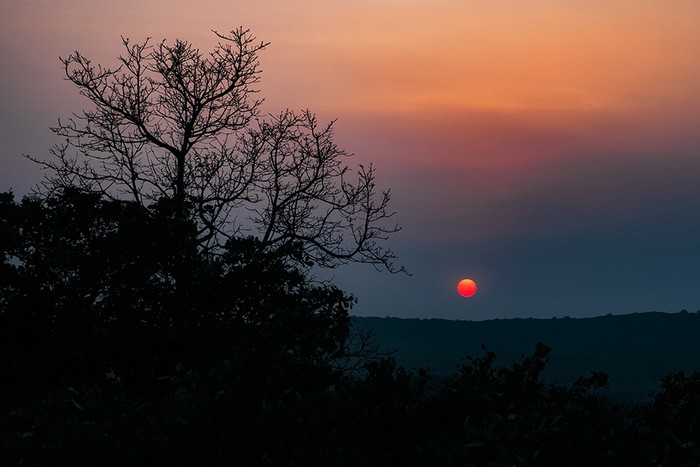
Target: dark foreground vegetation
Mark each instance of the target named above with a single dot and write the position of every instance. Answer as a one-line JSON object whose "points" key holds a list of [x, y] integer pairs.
{"points": [[122, 343]]}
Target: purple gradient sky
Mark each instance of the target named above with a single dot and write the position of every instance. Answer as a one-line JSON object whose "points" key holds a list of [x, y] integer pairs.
{"points": [[549, 150]]}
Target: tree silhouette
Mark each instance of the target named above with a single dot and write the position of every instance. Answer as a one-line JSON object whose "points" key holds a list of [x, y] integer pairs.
{"points": [[160, 280], [89, 284], [171, 121]]}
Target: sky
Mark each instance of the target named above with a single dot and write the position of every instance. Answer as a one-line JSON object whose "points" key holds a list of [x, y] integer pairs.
{"points": [[549, 150]]}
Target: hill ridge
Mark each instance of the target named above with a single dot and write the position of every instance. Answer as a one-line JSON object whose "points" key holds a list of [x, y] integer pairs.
{"points": [[635, 349]]}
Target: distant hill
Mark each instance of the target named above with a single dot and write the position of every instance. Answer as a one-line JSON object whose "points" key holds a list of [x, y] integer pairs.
{"points": [[634, 349]]}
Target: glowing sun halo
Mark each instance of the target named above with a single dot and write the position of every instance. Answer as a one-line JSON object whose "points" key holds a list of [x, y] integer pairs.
{"points": [[466, 287]]}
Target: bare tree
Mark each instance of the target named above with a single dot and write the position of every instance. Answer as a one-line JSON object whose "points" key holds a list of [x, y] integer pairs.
{"points": [[169, 121]]}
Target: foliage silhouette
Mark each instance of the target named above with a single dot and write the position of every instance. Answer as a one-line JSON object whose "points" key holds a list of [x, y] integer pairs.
{"points": [[84, 275]]}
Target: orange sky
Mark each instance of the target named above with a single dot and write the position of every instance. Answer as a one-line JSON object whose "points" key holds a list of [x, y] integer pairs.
{"points": [[495, 55], [413, 56], [514, 89]]}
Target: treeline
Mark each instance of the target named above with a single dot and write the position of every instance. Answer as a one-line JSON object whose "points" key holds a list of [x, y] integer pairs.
{"points": [[124, 343], [636, 349]]}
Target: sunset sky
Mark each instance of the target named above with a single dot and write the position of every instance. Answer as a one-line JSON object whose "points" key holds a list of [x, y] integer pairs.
{"points": [[549, 150]]}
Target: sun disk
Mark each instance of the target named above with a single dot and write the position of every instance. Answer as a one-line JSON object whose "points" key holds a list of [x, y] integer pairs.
{"points": [[466, 287]]}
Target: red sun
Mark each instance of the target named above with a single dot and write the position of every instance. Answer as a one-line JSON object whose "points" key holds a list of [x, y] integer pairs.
{"points": [[466, 287]]}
